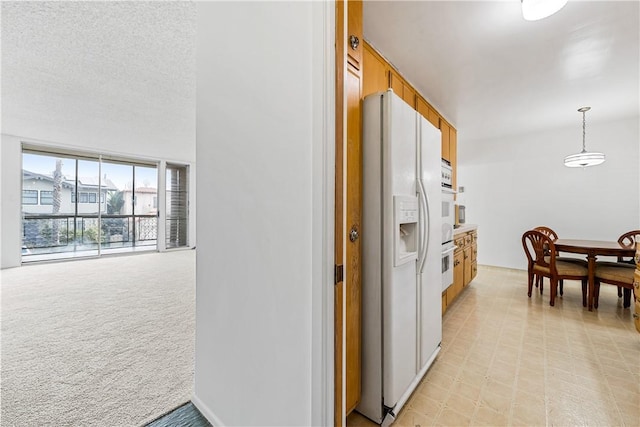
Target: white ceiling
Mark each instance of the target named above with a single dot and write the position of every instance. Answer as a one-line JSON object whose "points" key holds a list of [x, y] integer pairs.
{"points": [[99, 71], [491, 73], [126, 70]]}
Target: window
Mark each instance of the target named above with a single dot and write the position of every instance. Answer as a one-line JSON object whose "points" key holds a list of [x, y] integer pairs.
{"points": [[177, 206], [76, 204], [46, 197], [29, 197]]}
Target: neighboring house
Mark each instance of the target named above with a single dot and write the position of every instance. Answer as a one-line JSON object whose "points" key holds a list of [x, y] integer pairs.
{"points": [[37, 194], [146, 201]]}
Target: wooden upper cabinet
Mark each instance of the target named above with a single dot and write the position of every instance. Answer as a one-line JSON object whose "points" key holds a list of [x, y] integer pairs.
{"points": [[446, 130], [434, 117], [422, 107], [402, 88], [409, 95], [355, 42], [395, 83], [427, 112], [453, 156], [374, 73]]}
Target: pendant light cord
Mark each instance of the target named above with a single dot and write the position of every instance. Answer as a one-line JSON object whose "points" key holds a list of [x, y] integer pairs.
{"points": [[584, 132]]}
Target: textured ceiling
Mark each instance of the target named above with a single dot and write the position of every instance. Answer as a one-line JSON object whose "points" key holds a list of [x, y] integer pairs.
{"points": [[492, 73], [125, 71], [103, 71]]}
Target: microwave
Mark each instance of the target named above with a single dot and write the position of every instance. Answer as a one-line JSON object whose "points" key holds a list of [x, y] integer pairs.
{"points": [[461, 214]]}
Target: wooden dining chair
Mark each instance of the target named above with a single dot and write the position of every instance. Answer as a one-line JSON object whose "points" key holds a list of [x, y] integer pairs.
{"points": [[628, 239], [618, 273], [542, 261], [554, 236]]}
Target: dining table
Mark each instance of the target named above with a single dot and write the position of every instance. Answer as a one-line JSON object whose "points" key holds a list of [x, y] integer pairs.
{"points": [[592, 249]]}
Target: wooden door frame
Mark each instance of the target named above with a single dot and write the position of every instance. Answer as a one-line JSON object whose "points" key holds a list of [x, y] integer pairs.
{"points": [[340, 102]]}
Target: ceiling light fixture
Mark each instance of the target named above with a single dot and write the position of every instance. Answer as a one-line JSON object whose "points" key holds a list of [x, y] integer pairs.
{"points": [[584, 158], [533, 10]]}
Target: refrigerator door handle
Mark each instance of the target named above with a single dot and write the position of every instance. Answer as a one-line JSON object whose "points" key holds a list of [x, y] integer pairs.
{"points": [[425, 226]]}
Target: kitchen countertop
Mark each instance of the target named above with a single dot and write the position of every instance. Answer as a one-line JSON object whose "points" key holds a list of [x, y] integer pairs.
{"points": [[464, 228]]}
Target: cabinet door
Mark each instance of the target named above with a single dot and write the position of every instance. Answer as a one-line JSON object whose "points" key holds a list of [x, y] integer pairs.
{"points": [[445, 129], [453, 155], [395, 83], [434, 118], [374, 73], [444, 302], [353, 267], [467, 265], [458, 275], [354, 29], [409, 95], [422, 107], [474, 251]]}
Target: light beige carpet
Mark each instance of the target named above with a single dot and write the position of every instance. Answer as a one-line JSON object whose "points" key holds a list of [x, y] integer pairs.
{"points": [[102, 342]]}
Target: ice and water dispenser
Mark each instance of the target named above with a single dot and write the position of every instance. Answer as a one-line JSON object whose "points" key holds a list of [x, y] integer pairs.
{"points": [[405, 223]]}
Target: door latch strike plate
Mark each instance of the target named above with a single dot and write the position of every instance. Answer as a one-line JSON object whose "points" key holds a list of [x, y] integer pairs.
{"points": [[338, 274]]}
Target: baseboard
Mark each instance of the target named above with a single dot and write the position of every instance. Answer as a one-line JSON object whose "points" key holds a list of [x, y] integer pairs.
{"points": [[207, 412]]}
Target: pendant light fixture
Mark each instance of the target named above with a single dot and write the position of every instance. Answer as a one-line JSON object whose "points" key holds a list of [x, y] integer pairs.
{"points": [[584, 158], [533, 10]]}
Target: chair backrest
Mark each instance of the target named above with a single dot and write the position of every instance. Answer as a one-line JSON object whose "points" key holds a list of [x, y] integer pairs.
{"points": [[536, 246], [547, 232], [629, 239]]}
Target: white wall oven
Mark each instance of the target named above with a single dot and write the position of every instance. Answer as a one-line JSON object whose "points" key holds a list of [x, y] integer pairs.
{"points": [[448, 221], [448, 215], [447, 264]]}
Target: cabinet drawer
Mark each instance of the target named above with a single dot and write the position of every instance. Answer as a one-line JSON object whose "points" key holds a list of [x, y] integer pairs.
{"points": [[474, 252], [459, 242], [467, 239]]}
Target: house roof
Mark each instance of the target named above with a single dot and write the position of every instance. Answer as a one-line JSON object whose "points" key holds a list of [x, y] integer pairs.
{"points": [[85, 182]]}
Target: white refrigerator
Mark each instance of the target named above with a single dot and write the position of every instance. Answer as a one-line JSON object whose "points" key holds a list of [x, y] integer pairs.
{"points": [[401, 257]]}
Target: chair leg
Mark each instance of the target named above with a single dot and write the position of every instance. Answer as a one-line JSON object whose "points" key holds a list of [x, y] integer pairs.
{"points": [[627, 298], [530, 284], [537, 279], [619, 292], [596, 293], [541, 284], [561, 287], [584, 292], [554, 288]]}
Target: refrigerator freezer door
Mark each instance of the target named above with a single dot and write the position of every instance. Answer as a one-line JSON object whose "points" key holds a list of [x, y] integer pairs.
{"points": [[399, 302]]}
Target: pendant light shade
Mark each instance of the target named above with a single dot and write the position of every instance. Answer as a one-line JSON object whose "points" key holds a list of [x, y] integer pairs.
{"points": [[584, 158], [533, 10]]}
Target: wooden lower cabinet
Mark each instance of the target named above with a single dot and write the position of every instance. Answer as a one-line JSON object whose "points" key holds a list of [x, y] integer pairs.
{"points": [[465, 266]]}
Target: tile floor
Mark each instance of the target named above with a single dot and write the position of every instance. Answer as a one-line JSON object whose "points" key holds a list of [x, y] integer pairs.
{"points": [[508, 359]]}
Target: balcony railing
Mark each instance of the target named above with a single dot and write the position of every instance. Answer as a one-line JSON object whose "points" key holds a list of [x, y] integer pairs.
{"points": [[49, 233]]}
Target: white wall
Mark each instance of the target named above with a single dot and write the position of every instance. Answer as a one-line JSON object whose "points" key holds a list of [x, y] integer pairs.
{"points": [[513, 184], [11, 199], [264, 106]]}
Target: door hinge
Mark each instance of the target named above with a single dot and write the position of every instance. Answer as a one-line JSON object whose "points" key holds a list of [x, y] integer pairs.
{"points": [[338, 274]]}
